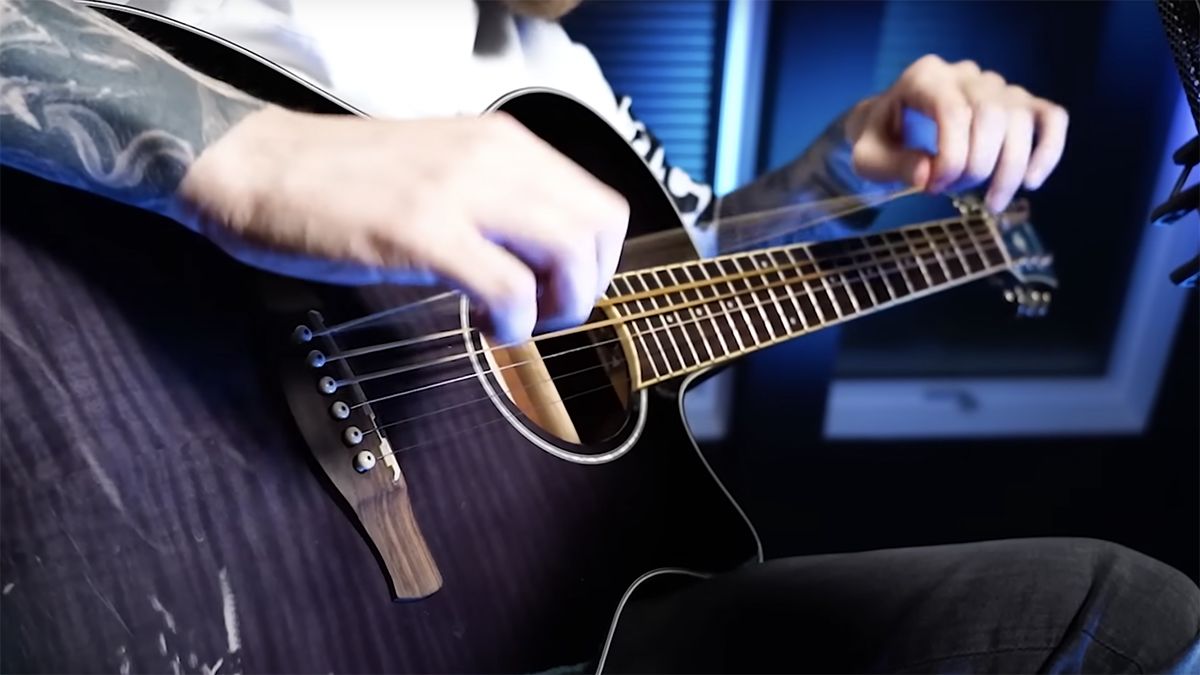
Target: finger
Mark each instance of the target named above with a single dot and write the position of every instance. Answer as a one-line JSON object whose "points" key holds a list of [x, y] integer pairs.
{"points": [[941, 98], [609, 223], [609, 243], [1014, 159], [879, 156], [566, 223], [570, 294], [988, 123], [1052, 121], [562, 253], [563, 211], [496, 278], [931, 88]]}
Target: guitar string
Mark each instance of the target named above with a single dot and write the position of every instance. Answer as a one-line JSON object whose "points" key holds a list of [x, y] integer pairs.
{"points": [[650, 293], [790, 333], [760, 272], [557, 401], [743, 274], [705, 335], [743, 243], [914, 263], [755, 215], [657, 311], [744, 220], [370, 318]]}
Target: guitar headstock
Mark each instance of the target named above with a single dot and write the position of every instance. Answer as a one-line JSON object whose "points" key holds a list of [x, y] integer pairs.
{"points": [[1032, 282]]}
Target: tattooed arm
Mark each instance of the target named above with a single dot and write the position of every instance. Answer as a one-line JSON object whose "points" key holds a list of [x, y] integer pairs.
{"points": [[326, 197], [830, 200], [87, 103]]}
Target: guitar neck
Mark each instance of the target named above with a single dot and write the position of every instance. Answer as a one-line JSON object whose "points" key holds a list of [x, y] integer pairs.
{"points": [[684, 317]]}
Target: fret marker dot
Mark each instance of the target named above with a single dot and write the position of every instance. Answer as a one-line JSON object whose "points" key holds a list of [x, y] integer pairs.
{"points": [[668, 318], [730, 304]]}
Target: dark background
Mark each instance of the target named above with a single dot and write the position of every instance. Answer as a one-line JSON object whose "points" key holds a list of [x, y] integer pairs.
{"points": [[1109, 64]]}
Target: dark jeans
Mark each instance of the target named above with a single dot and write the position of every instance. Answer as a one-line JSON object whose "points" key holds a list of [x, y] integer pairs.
{"points": [[1021, 606]]}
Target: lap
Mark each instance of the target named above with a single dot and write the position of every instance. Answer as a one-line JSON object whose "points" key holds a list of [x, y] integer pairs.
{"points": [[1008, 606]]}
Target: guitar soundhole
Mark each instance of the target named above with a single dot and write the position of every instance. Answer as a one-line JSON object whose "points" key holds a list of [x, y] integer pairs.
{"points": [[573, 390]]}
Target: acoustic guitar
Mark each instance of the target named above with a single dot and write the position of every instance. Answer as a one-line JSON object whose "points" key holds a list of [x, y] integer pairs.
{"points": [[207, 468]]}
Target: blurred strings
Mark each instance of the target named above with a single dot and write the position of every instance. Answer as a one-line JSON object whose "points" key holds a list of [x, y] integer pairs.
{"points": [[908, 265], [758, 272], [873, 271]]}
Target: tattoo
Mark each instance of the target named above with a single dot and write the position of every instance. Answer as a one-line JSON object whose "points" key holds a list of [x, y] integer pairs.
{"points": [[822, 176], [87, 103]]}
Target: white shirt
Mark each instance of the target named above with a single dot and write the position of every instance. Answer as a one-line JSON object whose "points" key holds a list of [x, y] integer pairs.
{"points": [[426, 58]]}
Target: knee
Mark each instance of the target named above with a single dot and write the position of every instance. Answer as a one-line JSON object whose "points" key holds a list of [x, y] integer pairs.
{"points": [[1148, 606]]}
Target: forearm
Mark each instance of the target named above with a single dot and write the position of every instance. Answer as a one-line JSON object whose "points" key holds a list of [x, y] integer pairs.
{"points": [[822, 177], [87, 103]]}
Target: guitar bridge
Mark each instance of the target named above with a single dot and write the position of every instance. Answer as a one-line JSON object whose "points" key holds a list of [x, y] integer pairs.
{"points": [[340, 428]]}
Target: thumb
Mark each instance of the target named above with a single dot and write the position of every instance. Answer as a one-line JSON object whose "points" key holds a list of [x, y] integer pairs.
{"points": [[878, 157]]}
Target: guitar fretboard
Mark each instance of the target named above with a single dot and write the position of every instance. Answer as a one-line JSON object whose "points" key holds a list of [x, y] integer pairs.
{"points": [[691, 315]]}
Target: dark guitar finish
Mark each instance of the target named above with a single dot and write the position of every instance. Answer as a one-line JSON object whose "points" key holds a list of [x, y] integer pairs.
{"points": [[161, 512]]}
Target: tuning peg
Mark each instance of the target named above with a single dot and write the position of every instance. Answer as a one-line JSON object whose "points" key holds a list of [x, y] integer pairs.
{"points": [[1029, 301]]}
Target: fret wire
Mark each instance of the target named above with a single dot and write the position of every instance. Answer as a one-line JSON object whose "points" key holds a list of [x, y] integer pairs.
{"points": [[737, 336], [974, 246], [901, 248], [960, 257], [850, 292], [745, 315], [887, 283], [994, 236], [837, 307], [826, 256], [664, 319], [845, 252], [952, 238], [812, 297], [910, 248], [937, 253], [903, 277], [865, 282], [786, 323], [659, 340], [686, 334], [746, 308], [641, 335], [980, 244], [791, 294], [932, 255], [770, 300], [773, 299], [755, 299], [846, 284], [920, 259], [810, 293], [607, 300], [683, 330], [789, 334], [701, 312]]}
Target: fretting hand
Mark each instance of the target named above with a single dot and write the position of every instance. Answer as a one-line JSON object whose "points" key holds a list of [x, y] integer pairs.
{"points": [[985, 130]]}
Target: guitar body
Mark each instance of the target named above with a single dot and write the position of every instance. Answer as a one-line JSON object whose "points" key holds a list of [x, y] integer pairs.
{"points": [[163, 511]]}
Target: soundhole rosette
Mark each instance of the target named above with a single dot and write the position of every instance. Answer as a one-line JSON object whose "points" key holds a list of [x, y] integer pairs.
{"points": [[569, 396]]}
